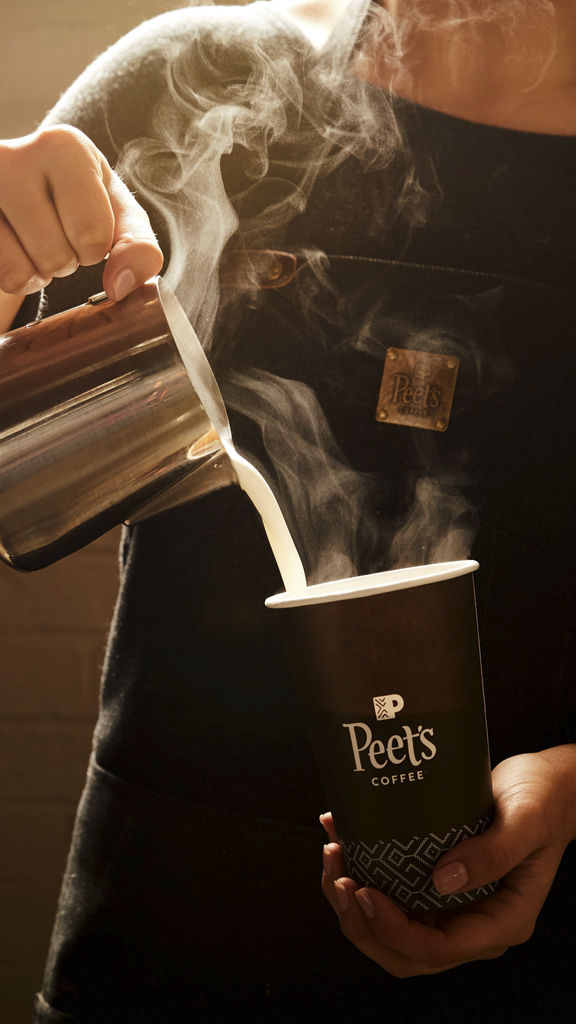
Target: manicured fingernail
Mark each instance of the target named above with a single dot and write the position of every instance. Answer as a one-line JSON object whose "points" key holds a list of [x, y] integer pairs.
{"points": [[450, 878], [328, 863], [365, 901], [342, 897], [123, 284]]}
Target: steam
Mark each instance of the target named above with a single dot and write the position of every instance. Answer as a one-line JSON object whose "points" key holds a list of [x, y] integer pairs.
{"points": [[404, 21], [236, 148], [325, 501], [440, 527], [287, 119], [452, 31]]}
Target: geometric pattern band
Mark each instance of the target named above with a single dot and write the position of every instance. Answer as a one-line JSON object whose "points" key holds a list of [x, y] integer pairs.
{"points": [[403, 868]]}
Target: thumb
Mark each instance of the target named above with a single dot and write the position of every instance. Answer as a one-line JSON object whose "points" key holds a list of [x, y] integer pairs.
{"points": [[135, 254], [487, 858]]}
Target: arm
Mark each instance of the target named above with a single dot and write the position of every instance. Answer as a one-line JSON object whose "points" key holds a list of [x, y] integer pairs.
{"points": [[57, 188], [149, 94], [535, 820]]}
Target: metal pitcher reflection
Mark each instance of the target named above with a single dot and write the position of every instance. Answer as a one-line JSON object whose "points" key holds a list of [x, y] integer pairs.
{"points": [[103, 420]]}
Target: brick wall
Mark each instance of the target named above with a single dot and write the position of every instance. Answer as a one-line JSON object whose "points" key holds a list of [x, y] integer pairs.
{"points": [[52, 623]]}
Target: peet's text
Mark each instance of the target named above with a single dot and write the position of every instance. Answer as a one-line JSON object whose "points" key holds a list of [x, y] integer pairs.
{"points": [[412, 745], [424, 396], [398, 780]]}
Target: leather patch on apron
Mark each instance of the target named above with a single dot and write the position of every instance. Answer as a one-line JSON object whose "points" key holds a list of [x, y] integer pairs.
{"points": [[417, 389]]}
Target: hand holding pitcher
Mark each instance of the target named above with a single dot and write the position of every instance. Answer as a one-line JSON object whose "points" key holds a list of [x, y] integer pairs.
{"points": [[61, 206]]}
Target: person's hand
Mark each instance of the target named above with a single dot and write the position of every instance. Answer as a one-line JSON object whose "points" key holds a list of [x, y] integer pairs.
{"points": [[62, 205], [535, 819]]}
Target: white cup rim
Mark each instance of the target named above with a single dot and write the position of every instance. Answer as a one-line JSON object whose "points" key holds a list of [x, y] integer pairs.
{"points": [[374, 583]]}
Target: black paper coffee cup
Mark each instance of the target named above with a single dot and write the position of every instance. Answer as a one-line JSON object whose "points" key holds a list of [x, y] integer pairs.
{"points": [[388, 671]]}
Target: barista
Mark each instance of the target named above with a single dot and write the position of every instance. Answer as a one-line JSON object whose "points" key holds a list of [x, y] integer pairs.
{"points": [[62, 206]]}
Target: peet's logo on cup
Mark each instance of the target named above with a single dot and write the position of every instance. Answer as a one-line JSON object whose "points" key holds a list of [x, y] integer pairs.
{"points": [[387, 706], [412, 745], [408, 747]]}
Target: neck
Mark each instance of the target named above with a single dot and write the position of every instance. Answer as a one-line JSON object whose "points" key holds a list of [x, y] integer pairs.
{"points": [[512, 64], [314, 18]]}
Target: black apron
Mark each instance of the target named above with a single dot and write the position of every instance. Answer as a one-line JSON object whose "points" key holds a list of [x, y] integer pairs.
{"points": [[192, 892]]}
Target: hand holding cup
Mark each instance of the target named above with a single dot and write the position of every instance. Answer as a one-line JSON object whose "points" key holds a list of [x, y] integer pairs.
{"points": [[534, 820]]}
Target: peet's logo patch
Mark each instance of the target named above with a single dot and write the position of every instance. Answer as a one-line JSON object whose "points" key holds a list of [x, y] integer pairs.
{"points": [[417, 389]]}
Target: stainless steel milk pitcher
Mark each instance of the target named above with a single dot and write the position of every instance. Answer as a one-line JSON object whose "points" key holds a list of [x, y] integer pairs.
{"points": [[103, 419]]}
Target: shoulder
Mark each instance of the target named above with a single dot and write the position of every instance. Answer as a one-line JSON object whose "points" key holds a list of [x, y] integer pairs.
{"points": [[196, 47]]}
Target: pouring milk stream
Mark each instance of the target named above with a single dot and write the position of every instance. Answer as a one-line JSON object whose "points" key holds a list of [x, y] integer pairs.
{"points": [[249, 479]]}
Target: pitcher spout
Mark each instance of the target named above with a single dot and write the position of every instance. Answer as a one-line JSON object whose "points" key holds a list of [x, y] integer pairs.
{"points": [[209, 474]]}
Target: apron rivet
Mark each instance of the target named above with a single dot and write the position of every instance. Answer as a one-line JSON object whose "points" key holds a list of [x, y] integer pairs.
{"points": [[275, 271]]}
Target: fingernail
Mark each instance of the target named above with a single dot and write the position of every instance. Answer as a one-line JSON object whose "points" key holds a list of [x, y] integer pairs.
{"points": [[67, 269], [450, 878], [123, 284], [35, 284], [342, 897], [322, 820], [328, 863], [365, 901]]}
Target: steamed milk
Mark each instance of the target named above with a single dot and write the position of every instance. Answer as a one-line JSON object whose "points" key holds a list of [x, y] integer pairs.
{"points": [[261, 496], [250, 480]]}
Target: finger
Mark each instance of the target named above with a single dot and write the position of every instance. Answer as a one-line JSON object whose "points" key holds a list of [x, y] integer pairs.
{"points": [[333, 861], [18, 275], [340, 893], [482, 932], [357, 926], [327, 822], [9, 306], [84, 210], [55, 200], [37, 241], [135, 255], [481, 861], [512, 838], [36, 223], [333, 869], [383, 932], [353, 922]]}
